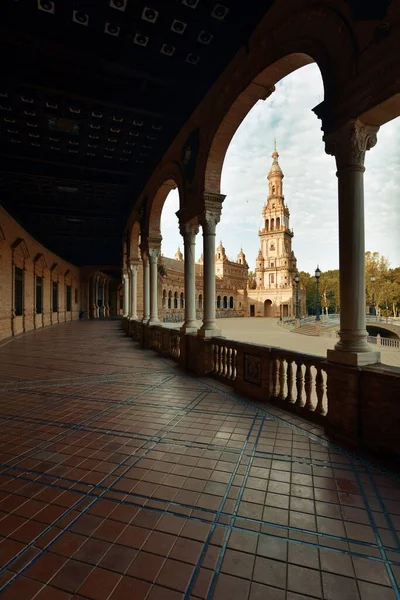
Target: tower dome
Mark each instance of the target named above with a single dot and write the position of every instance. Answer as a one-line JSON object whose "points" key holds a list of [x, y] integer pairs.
{"points": [[275, 170], [178, 254]]}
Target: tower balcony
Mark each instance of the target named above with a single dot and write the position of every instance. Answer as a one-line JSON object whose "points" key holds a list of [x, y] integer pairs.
{"points": [[287, 230]]}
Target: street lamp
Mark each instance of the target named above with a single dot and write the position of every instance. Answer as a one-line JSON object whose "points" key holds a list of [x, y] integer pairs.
{"points": [[317, 308], [296, 281], [373, 309]]}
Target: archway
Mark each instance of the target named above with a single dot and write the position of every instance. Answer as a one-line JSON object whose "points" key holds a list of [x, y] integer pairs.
{"points": [[268, 308]]}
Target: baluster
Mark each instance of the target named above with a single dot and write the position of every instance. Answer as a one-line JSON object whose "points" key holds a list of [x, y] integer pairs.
{"points": [[320, 388], [215, 358], [281, 395], [299, 383], [228, 362], [308, 383], [289, 377], [224, 360], [275, 380], [220, 359]]}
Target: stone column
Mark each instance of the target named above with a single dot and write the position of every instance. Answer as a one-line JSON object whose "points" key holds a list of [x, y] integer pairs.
{"points": [[126, 294], [153, 257], [133, 289], [146, 286], [209, 221], [348, 145], [189, 231]]}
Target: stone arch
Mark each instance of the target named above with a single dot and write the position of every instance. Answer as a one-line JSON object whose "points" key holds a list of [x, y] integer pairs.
{"points": [[134, 241], [231, 302], [225, 302], [218, 301], [165, 179], [164, 299], [175, 299], [268, 308], [182, 300], [169, 299], [315, 34]]}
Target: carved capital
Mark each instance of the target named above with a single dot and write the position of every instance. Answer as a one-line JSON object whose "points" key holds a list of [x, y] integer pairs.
{"points": [[189, 230], [349, 143], [212, 213], [154, 253]]}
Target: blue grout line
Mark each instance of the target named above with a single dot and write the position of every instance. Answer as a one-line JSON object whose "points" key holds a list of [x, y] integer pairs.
{"points": [[377, 536], [217, 516], [95, 500], [233, 517]]}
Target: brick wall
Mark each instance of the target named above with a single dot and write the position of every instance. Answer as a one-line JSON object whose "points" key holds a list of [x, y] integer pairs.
{"points": [[20, 250]]}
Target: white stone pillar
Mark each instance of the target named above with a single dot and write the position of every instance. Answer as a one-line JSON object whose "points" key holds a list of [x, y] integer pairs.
{"points": [[153, 257], [126, 294], [209, 221], [146, 286], [348, 145], [189, 231], [133, 289]]}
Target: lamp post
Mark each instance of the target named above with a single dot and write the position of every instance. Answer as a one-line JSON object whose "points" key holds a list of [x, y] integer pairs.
{"points": [[317, 307], [373, 309], [296, 281]]}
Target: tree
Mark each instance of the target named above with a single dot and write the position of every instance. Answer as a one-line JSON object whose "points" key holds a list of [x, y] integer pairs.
{"points": [[252, 283]]}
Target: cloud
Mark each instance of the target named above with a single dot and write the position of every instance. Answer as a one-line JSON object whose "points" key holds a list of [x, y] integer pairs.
{"points": [[310, 183]]}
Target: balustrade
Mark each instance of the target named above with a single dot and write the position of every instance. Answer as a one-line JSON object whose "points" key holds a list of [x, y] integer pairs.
{"points": [[310, 377], [224, 359]]}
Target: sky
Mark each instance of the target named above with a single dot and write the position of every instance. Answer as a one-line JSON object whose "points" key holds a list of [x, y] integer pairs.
{"points": [[309, 185]]}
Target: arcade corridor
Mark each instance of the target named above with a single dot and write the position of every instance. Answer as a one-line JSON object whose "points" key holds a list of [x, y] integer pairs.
{"points": [[122, 477]]}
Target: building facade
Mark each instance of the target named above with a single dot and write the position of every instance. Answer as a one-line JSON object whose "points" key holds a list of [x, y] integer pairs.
{"points": [[276, 264], [231, 284]]}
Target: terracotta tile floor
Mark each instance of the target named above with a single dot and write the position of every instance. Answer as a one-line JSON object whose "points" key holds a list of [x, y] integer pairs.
{"points": [[123, 478]]}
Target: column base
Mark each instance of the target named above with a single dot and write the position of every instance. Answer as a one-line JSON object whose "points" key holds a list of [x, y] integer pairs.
{"points": [[153, 322], [208, 333], [189, 327], [357, 359]]}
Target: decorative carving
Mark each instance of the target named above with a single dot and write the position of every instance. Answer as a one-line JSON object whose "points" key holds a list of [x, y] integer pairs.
{"points": [[189, 230], [252, 369], [39, 262], [190, 153], [349, 143], [154, 253]]}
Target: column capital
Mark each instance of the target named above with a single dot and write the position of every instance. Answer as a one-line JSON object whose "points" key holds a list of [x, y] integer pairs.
{"points": [[212, 212], [349, 143], [190, 228], [153, 253], [133, 264]]}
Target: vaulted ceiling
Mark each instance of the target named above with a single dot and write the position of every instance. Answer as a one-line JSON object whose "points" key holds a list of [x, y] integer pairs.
{"points": [[92, 92]]}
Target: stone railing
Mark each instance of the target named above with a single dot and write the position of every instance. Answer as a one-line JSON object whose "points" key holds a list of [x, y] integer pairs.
{"points": [[383, 341], [224, 355], [164, 340], [355, 405], [291, 379]]}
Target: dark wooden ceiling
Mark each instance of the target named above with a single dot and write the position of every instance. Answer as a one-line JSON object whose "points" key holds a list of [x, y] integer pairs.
{"points": [[92, 93]]}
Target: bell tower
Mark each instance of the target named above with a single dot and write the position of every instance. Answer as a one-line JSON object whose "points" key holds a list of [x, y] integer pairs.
{"points": [[276, 263]]}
